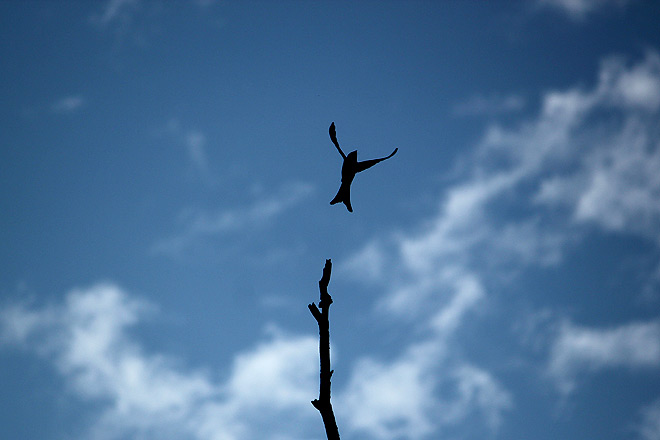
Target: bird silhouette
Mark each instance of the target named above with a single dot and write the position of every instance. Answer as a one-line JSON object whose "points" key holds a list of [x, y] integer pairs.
{"points": [[349, 169]]}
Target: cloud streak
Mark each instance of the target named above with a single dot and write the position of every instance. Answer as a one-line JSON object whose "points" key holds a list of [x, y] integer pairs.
{"points": [[116, 11], [489, 105], [579, 9], [579, 350], [68, 104], [194, 141], [615, 183], [649, 428], [258, 214]]}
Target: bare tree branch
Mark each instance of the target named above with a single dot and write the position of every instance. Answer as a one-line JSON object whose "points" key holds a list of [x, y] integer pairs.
{"points": [[323, 402]]}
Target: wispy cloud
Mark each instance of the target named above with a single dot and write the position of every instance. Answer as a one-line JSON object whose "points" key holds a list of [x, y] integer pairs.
{"points": [[408, 406], [615, 181], [580, 9], [194, 141], [577, 350], [551, 159], [257, 214], [391, 400], [116, 11], [138, 21], [401, 398], [560, 157], [489, 105], [649, 428], [68, 104], [148, 395], [478, 391]]}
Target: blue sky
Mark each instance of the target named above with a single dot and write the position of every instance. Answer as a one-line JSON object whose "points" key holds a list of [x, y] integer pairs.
{"points": [[165, 174]]}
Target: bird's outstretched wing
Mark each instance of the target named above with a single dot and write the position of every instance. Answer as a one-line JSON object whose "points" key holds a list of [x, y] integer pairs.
{"points": [[333, 138], [361, 166]]}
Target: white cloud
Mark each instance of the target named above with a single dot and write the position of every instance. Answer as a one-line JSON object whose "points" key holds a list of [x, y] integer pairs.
{"points": [[426, 387], [614, 180], [277, 372], [68, 104], [477, 391], [578, 350], [443, 298], [259, 213], [621, 185], [367, 263], [390, 400], [633, 87], [87, 340], [418, 393], [468, 292]]}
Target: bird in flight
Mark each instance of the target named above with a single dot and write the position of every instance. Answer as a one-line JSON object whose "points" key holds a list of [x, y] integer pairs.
{"points": [[349, 169]]}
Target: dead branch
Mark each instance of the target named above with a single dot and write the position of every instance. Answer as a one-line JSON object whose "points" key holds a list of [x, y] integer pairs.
{"points": [[323, 402]]}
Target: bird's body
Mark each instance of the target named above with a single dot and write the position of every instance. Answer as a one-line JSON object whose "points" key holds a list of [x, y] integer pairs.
{"points": [[349, 169], [348, 172]]}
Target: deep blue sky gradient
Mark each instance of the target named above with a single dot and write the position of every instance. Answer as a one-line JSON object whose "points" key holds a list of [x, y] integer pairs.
{"points": [[179, 152]]}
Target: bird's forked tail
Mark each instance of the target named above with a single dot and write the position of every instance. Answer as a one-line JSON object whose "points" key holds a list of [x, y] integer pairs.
{"points": [[344, 196]]}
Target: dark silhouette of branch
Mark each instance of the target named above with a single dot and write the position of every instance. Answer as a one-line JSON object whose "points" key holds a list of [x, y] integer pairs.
{"points": [[323, 402]]}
